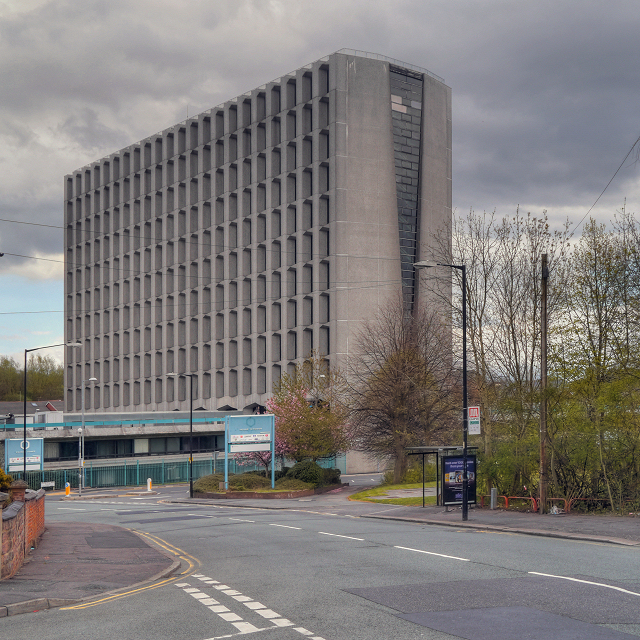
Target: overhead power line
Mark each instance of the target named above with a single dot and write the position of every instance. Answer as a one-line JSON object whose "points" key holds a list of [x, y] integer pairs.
{"points": [[608, 184]]}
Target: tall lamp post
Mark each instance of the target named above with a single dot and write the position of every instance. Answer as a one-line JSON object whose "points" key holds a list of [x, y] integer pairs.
{"points": [[24, 393], [81, 439], [190, 376], [465, 423]]}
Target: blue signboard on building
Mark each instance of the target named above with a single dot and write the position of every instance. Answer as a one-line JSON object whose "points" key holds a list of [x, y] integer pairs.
{"points": [[14, 456]]}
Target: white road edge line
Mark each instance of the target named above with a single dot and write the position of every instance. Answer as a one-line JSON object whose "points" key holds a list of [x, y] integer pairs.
{"points": [[595, 584], [432, 553], [69, 509], [335, 535], [284, 526]]}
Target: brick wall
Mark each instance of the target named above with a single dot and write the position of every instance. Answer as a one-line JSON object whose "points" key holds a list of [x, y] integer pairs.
{"points": [[13, 530], [35, 518]]}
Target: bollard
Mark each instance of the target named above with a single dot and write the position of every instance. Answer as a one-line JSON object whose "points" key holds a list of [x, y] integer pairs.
{"points": [[494, 498], [148, 484], [67, 489]]}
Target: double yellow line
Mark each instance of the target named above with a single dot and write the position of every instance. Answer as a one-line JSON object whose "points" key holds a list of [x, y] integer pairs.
{"points": [[192, 565]]}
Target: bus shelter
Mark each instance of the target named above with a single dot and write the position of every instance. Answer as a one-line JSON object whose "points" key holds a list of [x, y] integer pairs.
{"points": [[439, 453]]}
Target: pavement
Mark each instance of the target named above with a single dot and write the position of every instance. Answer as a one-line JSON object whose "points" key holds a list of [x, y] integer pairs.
{"points": [[76, 562]]}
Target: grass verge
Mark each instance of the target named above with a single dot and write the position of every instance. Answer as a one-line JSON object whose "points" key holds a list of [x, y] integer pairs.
{"points": [[377, 494]]}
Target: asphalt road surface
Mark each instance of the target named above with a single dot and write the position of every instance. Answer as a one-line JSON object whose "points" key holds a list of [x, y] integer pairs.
{"points": [[312, 571]]}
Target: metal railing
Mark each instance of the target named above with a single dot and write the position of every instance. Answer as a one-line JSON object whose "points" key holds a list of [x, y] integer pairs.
{"points": [[135, 473]]}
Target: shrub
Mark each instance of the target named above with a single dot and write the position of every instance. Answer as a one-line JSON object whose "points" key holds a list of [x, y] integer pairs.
{"points": [[307, 471], [414, 473], [281, 473], [248, 482], [209, 484], [5, 481], [292, 484], [412, 476], [330, 476], [387, 477]]}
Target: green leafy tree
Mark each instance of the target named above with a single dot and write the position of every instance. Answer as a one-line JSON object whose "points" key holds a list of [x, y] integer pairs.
{"points": [[45, 378], [10, 379], [594, 358]]}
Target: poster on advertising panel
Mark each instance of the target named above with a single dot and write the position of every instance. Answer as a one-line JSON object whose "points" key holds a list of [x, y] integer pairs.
{"points": [[452, 467]]}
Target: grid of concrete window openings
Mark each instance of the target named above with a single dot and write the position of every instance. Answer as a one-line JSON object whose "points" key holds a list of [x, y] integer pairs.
{"points": [[210, 248]]}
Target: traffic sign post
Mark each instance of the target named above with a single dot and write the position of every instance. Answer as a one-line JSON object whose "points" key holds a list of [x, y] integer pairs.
{"points": [[15, 458], [244, 434], [474, 421]]}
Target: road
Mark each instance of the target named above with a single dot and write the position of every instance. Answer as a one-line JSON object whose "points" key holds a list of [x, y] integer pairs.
{"points": [[316, 571]]}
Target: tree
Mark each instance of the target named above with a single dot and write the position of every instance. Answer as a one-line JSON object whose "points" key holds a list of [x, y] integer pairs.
{"points": [[45, 378], [402, 385], [311, 419], [595, 355], [593, 307], [10, 379], [503, 257], [262, 458]]}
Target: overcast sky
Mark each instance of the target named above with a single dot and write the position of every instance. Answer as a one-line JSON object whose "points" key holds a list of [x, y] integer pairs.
{"points": [[545, 102]]}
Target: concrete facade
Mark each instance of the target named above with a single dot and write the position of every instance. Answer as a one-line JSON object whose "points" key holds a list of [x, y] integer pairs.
{"points": [[233, 243]]}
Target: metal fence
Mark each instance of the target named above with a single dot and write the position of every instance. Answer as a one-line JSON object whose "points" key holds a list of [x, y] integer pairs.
{"points": [[135, 473]]}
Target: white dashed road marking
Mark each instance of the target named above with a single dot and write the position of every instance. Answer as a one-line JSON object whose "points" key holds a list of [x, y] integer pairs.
{"points": [[241, 520], [237, 620], [432, 553], [335, 535]]}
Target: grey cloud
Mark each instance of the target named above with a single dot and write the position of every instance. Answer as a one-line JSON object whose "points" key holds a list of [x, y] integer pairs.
{"points": [[86, 130], [544, 95]]}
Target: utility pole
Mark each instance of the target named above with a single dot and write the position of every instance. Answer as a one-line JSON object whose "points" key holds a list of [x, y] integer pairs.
{"points": [[543, 386]]}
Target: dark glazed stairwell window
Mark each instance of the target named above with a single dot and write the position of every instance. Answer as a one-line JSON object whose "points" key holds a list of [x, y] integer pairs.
{"points": [[406, 115]]}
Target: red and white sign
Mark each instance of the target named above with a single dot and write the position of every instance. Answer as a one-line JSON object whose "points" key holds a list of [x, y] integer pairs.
{"points": [[250, 437], [473, 421]]}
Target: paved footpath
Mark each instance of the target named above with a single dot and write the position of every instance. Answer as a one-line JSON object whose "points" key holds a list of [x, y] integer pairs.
{"points": [[77, 561]]}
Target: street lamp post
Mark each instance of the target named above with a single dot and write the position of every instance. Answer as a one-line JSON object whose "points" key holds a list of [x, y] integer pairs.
{"points": [[81, 439], [465, 423], [24, 399], [190, 376]]}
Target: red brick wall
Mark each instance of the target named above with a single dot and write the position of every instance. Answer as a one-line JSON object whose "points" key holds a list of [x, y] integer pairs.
{"points": [[35, 520], [12, 544], [13, 529]]}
